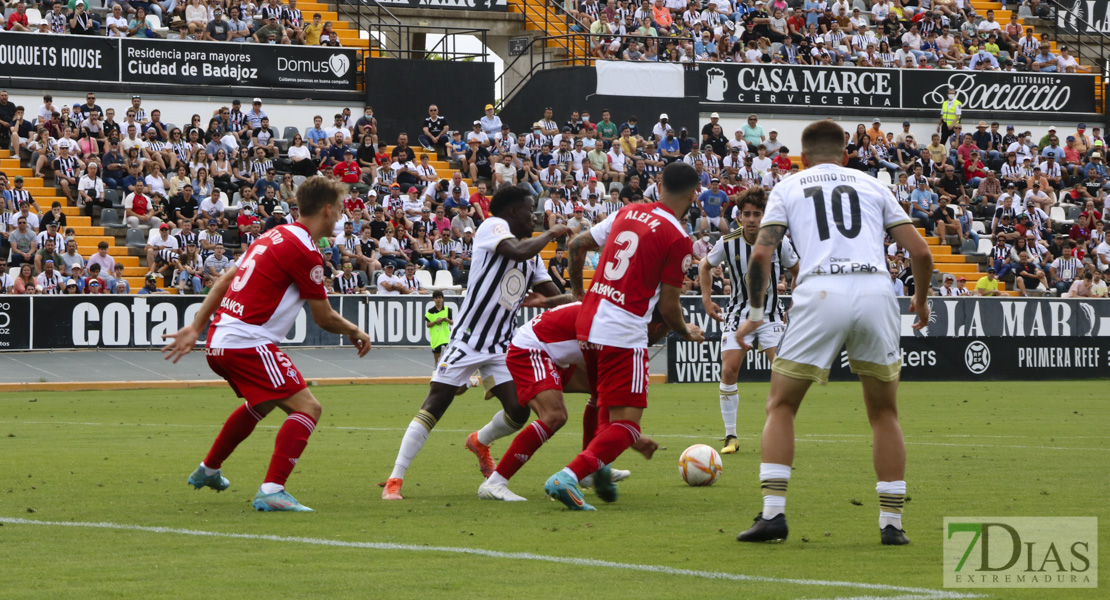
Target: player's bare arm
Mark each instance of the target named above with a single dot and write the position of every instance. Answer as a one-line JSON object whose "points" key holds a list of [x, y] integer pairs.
{"points": [[185, 339], [759, 269], [546, 295], [921, 263], [705, 279], [579, 246], [521, 250], [671, 310], [329, 320]]}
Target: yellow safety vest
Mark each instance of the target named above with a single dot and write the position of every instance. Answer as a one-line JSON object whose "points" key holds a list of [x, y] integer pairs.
{"points": [[948, 112]]}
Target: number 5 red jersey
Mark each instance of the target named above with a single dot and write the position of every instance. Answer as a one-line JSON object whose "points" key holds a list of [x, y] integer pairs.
{"points": [[643, 247], [279, 271]]}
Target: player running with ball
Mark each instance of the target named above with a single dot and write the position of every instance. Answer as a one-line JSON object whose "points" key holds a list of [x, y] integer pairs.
{"points": [[646, 252], [255, 303], [734, 249], [837, 217]]}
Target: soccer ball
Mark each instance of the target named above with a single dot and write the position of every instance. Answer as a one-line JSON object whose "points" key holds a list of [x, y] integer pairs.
{"points": [[700, 465]]}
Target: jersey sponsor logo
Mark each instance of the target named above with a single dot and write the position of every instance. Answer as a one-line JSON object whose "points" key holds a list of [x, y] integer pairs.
{"points": [[608, 291], [687, 262], [840, 269], [317, 274], [501, 229], [232, 306]]}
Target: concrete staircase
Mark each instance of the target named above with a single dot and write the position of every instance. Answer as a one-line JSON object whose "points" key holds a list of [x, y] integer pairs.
{"points": [[544, 18]]}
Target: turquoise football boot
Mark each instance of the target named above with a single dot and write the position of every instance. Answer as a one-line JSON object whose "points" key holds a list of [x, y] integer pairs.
{"points": [[278, 501], [604, 486], [565, 489], [215, 481]]}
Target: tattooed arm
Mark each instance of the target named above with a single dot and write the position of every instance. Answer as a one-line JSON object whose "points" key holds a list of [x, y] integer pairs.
{"points": [[760, 268], [579, 246]]}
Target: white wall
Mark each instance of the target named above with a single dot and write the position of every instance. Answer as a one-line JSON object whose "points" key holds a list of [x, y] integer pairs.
{"points": [[790, 126], [179, 110]]}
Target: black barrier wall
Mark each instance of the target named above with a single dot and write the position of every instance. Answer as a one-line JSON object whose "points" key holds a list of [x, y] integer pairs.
{"points": [[967, 338], [479, 5], [971, 338], [400, 91], [572, 88], [168, 62]]}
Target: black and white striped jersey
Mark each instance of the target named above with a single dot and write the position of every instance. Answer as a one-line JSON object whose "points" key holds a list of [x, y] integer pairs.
{"points": [[497, 286], [735, 251]]}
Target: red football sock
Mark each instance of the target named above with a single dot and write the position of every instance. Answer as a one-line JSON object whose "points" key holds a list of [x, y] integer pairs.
{"points": [[236, 429], [290, 442], [605, 448], [523, 447], [589, 422]]}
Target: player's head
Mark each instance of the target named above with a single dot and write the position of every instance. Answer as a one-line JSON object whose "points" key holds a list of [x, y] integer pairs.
{"points": [[680, 186], [823, 142], [750, 205], [514, 204], [321, 202]]}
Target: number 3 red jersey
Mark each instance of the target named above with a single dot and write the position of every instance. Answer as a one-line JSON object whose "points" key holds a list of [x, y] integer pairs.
{"points": [[643, 247], [279, 271]]}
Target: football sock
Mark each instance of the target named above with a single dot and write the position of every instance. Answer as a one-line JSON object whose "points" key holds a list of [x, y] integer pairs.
{"points": [[892, 497], [605, 448], [523, 447], [414, 439], [236, 429], [730, 405], [288, 446], [773, 480], [499, 426], [589, 422]]}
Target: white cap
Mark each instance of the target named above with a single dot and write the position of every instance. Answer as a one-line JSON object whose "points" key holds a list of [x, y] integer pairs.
{"points": [[663, 116], [714, 116], [258, 100], [468, 230]]}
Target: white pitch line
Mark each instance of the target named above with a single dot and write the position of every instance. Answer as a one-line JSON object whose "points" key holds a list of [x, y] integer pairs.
{"points": [[908, 592], [805, 439]]}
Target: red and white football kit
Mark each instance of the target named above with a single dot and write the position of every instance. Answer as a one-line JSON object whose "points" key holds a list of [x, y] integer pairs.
{"points": [[544, 352], [644, 247], [282, 269]]}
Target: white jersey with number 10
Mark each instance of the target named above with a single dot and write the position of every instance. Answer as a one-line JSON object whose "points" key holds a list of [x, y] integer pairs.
{"points": [[837, 218]]}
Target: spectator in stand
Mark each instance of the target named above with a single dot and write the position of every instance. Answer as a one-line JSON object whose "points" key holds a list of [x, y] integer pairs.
{"points": [[17, 21], [435, 132], [988, 284], [217, 30], [90, 189]]}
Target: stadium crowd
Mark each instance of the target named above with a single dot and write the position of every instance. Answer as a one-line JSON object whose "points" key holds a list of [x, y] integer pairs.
{"points": [[267, 22], [940, 34], [204, 191]]}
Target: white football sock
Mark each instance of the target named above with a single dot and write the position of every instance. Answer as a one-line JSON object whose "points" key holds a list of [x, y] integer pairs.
{"points": [[414, 439], [271, 488], [891, 495], [498, 427], [570, 474], [497, 479], [771, 474], [207, 471], [730, 405]]}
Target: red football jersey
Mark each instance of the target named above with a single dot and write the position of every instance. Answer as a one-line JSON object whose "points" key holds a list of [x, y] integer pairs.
{"points": [[643, 247], [553, 331], [282, 269]]}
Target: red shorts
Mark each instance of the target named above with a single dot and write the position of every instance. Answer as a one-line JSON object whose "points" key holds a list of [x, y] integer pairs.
{"points": [[533, 372], [256, 374], [620, 375]]}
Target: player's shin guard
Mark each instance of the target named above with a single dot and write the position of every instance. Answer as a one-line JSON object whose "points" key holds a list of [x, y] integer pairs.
{"points": [[290, 443], [523, 447], [237, 428], [730, 405], [589, 422], [605, 448], [414, 439], [501, 425], [773, 480], [892, 497]]}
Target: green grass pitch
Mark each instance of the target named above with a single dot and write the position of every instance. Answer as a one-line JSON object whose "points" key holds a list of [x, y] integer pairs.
{"points": [[975, 449]]}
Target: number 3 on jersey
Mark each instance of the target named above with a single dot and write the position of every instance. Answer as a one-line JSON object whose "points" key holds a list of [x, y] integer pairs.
{"points": [[244, 272], [838, 193], [628, 241]]}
